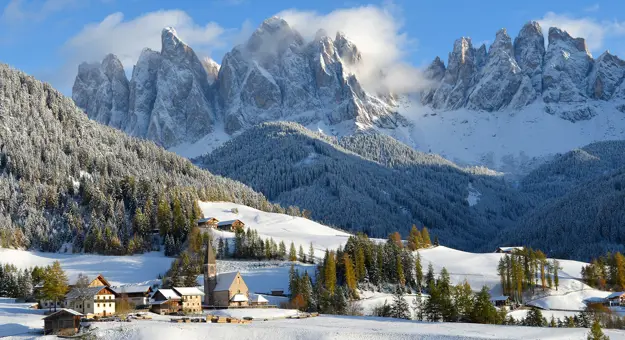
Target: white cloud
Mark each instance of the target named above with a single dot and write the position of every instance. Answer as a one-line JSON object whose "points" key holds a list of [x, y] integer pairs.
{"points": [[377, 34], [126, 39], [594, 31]]}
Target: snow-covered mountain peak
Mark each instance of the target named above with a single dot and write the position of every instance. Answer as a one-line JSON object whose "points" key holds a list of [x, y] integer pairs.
{"points": [[564, 40], [346, 49], [502, 42]]}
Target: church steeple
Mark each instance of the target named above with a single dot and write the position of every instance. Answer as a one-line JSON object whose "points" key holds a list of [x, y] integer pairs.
{"points": [[210, 275]]}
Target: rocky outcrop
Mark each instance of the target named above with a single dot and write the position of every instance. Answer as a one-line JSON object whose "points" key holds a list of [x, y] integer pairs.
{"points": [[434, 73], [102, 89], [459, 77], [606, 76], [499, 79], [529, 53]]}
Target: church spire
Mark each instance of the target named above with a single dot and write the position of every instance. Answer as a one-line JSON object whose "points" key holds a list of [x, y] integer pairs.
{"points": [[210, 255]]}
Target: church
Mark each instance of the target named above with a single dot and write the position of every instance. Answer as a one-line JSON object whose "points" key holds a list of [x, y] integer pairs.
{"points": [[223, 290]]}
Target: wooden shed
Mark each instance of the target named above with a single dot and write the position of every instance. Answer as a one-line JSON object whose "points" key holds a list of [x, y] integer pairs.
{"points": [[208, 222], [232, 225], [63, 322]]}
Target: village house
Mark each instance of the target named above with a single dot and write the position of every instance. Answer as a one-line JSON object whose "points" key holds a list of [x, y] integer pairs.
{"points": [[98, 281], [223, 290], [231, 225], [508, 250], [165, 301], [62, 322], [98, 301], [137, 296], [191, 299], [208, 222], [616, 299]]}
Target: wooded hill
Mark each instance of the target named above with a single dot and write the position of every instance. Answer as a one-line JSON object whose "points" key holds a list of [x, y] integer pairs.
{"points": [[67, 179]]}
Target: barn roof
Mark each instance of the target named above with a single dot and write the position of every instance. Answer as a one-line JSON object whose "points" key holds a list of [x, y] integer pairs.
{"points": [[131, 289], [188, 291], [87, 291], [509, 249], [224, 281], [229, 222], [169, 294], [499, 298], [614, 295], [206, 219], [63, 311]]}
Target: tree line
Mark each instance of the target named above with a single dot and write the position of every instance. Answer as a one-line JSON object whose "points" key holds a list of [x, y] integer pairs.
{"points": [[606, 272], [526, 269]]}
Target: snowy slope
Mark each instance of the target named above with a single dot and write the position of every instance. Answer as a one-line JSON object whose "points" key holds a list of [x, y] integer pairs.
{"points": [[280, 227], [512, 141], [117, 269]]}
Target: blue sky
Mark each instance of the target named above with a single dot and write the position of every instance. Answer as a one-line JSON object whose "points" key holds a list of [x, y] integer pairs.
{"points": [[48, 38]]}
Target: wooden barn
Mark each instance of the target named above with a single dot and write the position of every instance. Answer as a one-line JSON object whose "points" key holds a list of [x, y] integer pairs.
{"points": [[165, 301], [508, 250], [208, 223], [231, 225], [62, 322], [138, 296]]}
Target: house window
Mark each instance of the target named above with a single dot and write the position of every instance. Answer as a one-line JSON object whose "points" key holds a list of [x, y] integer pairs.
{"points": [[88, 305], [98, 305]]}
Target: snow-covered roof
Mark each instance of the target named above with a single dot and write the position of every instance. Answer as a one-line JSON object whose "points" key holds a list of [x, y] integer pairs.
{"points": [[238, 298], [188, 291], [130, 289], [614, 295], [206, 219], [509, 249], [86, 291], [224, 280], [229, 222], [499, 298], [259, 298], [64, 310], [169, 294]]}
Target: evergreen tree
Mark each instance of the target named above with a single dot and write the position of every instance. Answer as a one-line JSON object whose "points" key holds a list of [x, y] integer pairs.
{"points": [[282, 251], [400, 308], [401, 279], [301, 254], [463, 301], [292, 253], [556, 269], [311, 253], [429, 276], [483, 310], [164, 216], [330, 272], [596, 333], [418, 272], [361, 270], [534, 318]]}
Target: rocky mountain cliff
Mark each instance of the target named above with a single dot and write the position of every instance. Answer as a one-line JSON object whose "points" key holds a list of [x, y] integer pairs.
{"points": [[174, 97], [513, 75]]}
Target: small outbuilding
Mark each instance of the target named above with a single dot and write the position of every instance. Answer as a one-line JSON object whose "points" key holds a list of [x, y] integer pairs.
{"points": [[508, 250], [231, 225], [259, 300], [62, 322], [501, 301], [207, 222]]}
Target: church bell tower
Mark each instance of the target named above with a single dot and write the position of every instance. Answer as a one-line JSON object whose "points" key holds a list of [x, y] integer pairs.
{"points": [[210, 276]]}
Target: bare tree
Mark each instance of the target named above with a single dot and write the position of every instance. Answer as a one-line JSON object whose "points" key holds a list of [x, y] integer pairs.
{"points": [[82, 290]]}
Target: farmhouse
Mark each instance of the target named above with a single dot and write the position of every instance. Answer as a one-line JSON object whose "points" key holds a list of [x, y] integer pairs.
{"points": [[138, 296], [231, 225], [615, 299], [165, 301], [208, 222], [98, 301], [63, 322], [191, 298], [500, 301], [508, 250]]}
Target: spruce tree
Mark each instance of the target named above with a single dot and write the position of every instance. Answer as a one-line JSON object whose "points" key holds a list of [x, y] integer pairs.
{"points": [[360, 264], [556, 269], [534, 318], [401, 278], [311, 253], [329, 276], [596, 333], [418, 272], [301, 254], [463, 301], [400, 308], [282, 251], [483, 310], [292, 253]]}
